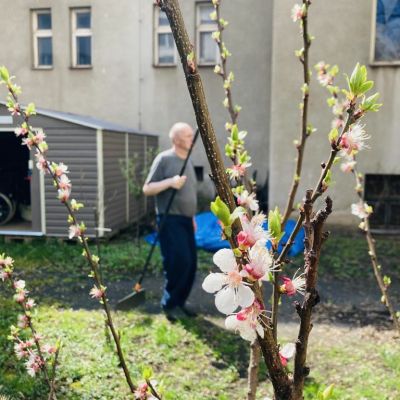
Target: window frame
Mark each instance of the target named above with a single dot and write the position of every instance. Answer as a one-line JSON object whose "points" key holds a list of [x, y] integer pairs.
{"points": [[204, 28], [157, 29], [372, 60], [40, 33], [80, 32]]}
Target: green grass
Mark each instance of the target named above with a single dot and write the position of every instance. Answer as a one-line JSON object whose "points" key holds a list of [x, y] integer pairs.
{"points": [[44, 261], [192, 360]]}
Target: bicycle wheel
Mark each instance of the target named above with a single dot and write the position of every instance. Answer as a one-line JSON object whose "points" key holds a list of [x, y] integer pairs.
{"points": [[7, 209]]}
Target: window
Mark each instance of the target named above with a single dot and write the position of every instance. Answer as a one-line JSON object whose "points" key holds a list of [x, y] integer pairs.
{"points": [[386, 35], [42, 39], [199, 171], [81, 21], [382, 192], [164, 45], [207, 49]]}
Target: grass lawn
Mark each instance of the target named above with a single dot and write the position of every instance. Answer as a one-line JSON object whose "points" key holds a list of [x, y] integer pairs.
{"points": [[194, 359]]}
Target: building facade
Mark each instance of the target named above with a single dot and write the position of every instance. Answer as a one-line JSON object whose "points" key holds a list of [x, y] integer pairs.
{"points": [[116, 61]]}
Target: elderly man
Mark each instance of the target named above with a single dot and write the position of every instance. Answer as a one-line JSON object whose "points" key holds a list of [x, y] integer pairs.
{"points": [[177, 241]]}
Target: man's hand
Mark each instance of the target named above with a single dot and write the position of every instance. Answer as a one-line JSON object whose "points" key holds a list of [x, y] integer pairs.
{"points": [[194, 225], [178, 181]]}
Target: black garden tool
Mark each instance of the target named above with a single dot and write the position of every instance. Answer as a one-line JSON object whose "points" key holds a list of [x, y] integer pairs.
{"points": [[138, 295]]}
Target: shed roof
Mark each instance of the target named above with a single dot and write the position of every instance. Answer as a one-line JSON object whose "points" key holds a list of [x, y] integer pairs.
{"points": [[89, 122]]}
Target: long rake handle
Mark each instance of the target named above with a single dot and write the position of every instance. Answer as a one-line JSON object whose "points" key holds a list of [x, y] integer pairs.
{"points": [[164, 217]]}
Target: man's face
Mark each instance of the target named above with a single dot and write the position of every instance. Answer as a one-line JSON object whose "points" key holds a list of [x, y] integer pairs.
{"points": [[184, 139]]}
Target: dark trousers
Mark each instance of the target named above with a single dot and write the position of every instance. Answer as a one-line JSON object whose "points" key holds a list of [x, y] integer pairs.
{"points": [[178, 250]]}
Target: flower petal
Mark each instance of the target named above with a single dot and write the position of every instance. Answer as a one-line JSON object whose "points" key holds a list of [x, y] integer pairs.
{"points": [[245, 296], [247, 333], [288, 350], [214, 282], [260, 330], [225, 260], [225, 300], [232, 323]]}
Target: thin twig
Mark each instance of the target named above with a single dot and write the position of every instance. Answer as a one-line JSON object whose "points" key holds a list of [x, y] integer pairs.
{"points": [[278, 375], [300, 147], [374, 258], [314, 238]]}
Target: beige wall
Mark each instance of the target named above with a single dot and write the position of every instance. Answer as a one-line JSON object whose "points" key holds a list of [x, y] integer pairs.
{"points": [[343, 34], [165, 98], [124, 87]]}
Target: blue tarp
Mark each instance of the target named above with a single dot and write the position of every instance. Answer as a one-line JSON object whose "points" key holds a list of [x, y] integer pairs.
{"points": [[208, 235]]}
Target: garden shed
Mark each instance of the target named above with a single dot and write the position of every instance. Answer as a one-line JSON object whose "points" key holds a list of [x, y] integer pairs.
{"points": [[103, 158]]}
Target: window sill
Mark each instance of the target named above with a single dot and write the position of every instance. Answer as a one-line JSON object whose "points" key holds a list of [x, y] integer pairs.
{"points": [[164, 65], [43, 68], [375, 64], [79, 67], [203, 65]]}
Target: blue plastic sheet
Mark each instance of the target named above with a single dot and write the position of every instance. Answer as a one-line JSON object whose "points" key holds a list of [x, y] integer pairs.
{"points": [[208, 235]]}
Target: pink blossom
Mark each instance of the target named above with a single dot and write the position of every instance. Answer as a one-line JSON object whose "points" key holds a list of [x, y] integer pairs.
{"points": [[348, 166], [64, 182], [232, 290], [288, 351], [141, 391], [97, 293], [297, 12], [63, 195], [292, 286], [253, 231], [260, 263], [30, 304], [21, 131], [41, 162], [247, 200], [238, 170], [5, 261], [354, 139], [49, 349], [21, 348], [20, 296], [247, 322], [337, 123], [23, 321], [4, 275], [74, 231], [33, 365], [361, 210], [20, 284], [15, 109], [39, 137], [325, 79], [59, 169]]}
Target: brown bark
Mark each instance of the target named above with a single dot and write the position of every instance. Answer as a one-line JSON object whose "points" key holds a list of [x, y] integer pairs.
{"points": [[280, 380], [254, 363], [313, 241]]}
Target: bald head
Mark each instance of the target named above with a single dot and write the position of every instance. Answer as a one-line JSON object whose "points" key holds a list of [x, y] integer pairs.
{"points": [[179, 129], [181, 135]]}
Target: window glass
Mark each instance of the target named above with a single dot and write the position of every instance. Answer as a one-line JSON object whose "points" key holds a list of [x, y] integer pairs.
{"points": [[162, 19], [45, 56], [83, 20], [43, 21], [166, 48], [387, 39], [84, 50], [205, 11], [207, 48]]}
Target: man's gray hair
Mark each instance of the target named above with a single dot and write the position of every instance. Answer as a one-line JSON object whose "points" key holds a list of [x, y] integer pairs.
{"points": [[177, 128]]}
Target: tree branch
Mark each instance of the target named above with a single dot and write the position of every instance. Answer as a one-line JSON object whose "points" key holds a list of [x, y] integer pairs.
{"points": [[278, 375], [313, 241]]}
